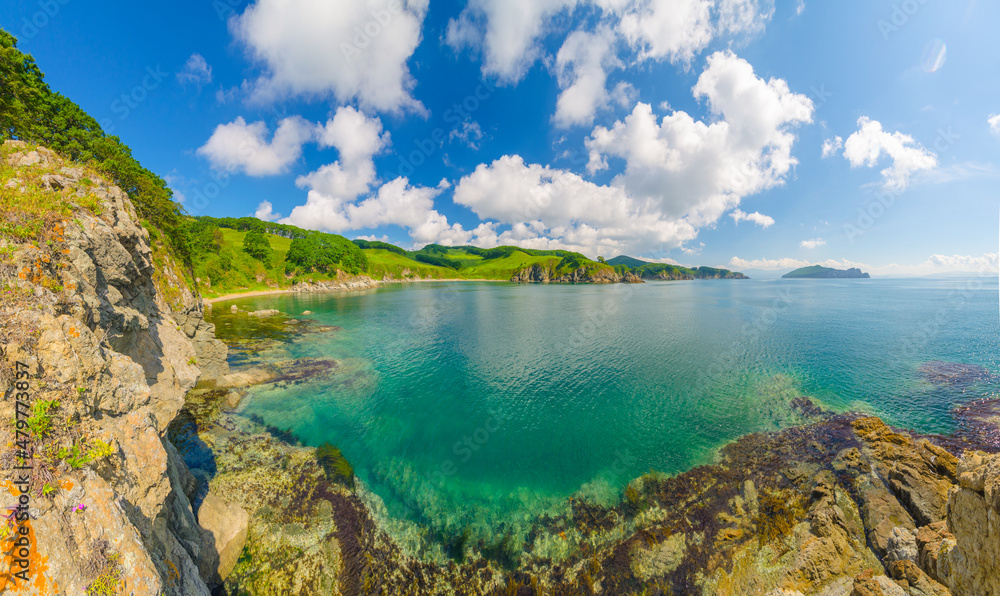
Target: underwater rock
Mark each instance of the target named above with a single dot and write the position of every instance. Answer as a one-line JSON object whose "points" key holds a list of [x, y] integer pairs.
{"points": [[954, 373], [226, 527], [980, 423], [270, 312]]}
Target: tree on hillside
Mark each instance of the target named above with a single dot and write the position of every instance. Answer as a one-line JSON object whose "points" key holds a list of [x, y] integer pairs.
{"points": [[257, 246], [30, 111]]}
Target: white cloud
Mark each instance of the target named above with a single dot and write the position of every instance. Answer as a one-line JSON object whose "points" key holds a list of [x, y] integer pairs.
{"points": [[698, 170], [994, 122], [357, 138], [548, 207], [866, 146], [507, 32], [581, 68], [333, 204], [744, 16], [764, 221], [240, 146], [800, 7], [349, 51], [196, 71], [811, 244], [469, 133], [265, 212], [985, 263], [672, 30], [831, 146]]}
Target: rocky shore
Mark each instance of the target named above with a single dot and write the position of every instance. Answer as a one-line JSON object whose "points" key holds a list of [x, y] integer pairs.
{"points": [[540, 273], [146, 479]]}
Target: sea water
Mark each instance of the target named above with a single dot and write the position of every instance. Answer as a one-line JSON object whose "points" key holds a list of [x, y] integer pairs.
{"points": [[474, 407]]}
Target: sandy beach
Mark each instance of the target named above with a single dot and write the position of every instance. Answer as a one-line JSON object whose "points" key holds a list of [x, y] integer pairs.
{"points": [[291, 291]]}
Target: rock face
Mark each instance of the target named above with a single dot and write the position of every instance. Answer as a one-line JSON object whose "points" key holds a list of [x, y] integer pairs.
{"points": [[967, 562], [115, 343], [343, 282], [542, 273]]}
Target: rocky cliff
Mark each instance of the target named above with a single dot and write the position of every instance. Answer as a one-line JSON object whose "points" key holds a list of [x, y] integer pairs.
{"points": [[546, 273], [105, 345]]}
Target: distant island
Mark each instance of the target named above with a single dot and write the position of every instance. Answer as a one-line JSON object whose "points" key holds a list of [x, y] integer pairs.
{"points": [[820, 272]]}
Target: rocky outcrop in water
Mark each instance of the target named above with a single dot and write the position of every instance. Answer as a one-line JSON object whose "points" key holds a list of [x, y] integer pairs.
{"points": [[110, 344]]}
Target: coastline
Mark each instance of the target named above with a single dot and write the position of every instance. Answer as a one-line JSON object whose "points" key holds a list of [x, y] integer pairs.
{"points": [[256, 293]]}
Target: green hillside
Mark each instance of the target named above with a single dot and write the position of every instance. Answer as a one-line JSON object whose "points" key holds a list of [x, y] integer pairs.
{"points": [[820, 272], [630, 262]]}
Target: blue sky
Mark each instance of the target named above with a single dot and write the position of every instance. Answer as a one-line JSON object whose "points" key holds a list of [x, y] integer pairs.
{"points": [[741, 133]]}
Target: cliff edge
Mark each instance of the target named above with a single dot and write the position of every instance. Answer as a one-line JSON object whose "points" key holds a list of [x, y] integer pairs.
{"points": [[101, 340]]}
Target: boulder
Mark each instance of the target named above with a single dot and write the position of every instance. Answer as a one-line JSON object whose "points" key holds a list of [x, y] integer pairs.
{"points": [[226, 528]]}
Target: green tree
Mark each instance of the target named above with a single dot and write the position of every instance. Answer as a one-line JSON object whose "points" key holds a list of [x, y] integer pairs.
{"points": [[31, 111], [257, 246]]}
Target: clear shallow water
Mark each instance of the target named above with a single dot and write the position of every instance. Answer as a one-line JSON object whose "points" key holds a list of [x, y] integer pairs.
{"points": [[479, 405]]}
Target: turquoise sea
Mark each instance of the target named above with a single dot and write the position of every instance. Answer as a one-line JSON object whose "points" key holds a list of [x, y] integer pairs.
{"points": [[475, 406]]}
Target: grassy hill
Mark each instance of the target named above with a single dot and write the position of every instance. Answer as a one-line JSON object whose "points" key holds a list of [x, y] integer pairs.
{"points": [[223, 264], [648, 270]]}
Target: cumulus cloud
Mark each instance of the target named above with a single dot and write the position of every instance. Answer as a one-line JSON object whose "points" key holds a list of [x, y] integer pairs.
{"points": [[506, 31], [811, 244], [764, 221], [239, 146], [674, 31], [831, 146], [994, 122], [548, 207], [341, 196], [468, 133], [509, 32], [357, 138], [265, 212], [985, 263], [348, 51], [697, 170], [679, 175], [867, 146], [196, 71], [581, 67]]}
